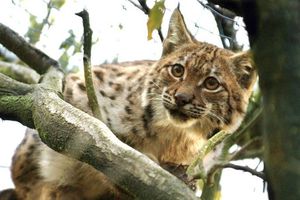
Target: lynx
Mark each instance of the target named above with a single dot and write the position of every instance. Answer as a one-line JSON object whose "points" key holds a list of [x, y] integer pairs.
{"points": [[165, 109]]}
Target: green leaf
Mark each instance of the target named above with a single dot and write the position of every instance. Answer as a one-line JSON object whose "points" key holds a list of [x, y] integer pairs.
{"points": [[64, 60], [68, 42], [34, 31], [57, 4], [155, 17]]}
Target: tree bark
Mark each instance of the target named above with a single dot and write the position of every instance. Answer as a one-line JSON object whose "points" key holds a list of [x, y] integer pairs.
{"points": [[19, 72], [277, 55], [39, 60]]}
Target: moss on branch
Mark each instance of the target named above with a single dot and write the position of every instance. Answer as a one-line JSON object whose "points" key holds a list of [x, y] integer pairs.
{"points": [[19, 72]]}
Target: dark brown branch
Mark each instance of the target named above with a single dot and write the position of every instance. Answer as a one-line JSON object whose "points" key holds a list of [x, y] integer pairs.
{"points": [[87, 33], [136, 5], [33, 57], [87, 48], [145, 7]]}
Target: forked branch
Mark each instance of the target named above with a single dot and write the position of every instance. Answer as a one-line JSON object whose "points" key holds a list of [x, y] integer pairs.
{"points": [[41, 107]]}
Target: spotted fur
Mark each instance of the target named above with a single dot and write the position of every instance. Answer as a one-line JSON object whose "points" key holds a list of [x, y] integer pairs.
{"points": [[166, 109]]}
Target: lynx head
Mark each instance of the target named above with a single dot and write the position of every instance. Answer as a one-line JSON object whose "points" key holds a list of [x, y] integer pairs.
{"points": [[200, 85]]}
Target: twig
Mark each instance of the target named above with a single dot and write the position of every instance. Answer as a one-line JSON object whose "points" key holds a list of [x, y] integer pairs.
{"points": [[246, 169], [146, 9], [238, 154], [136, 5], [87, 46], [217, 13], [216, 34], [250, 119]]}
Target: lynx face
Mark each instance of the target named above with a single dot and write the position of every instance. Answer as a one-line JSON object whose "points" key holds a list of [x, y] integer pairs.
{"points": [[200, 84], [197, 88]]}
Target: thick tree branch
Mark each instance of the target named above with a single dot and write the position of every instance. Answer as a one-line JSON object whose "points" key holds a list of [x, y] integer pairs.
{"points": [[10, 87], [15, 100], [96, 145], [19, 72], [33, 57], [60, 127]]}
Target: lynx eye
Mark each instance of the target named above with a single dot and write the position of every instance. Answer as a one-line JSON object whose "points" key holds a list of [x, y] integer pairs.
{"points": [[177, 70], [211, 83]]}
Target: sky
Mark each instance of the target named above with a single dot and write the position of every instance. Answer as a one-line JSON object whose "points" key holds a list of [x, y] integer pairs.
{"points": [[120, 31]]}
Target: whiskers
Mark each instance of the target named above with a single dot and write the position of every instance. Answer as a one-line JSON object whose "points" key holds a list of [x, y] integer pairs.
{"points": [[154, 97], [195, 112], [212, 113], [157, 86], [155, 91]]}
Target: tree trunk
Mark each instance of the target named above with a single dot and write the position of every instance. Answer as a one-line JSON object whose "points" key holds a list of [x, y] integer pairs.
{"points": [[277, 53]]}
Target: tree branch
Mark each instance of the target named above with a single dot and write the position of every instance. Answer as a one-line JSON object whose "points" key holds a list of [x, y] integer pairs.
{"points": [[245, 169], [15, 101], [60, 127], [87, 46], [33, 57], [10, 87], [246, 9], [196, 169], [96, 145], [244, 152], [19, 72]]}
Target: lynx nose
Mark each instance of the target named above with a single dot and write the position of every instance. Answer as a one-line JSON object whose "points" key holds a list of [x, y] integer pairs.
{"points": [[182, 99]]}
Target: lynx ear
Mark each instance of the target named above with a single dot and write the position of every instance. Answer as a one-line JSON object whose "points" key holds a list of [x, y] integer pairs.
{"points": [[244, 69], [178, 34]]}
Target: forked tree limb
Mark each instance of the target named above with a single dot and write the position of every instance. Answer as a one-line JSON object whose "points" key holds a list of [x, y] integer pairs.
{"points": [[60, 127]]}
